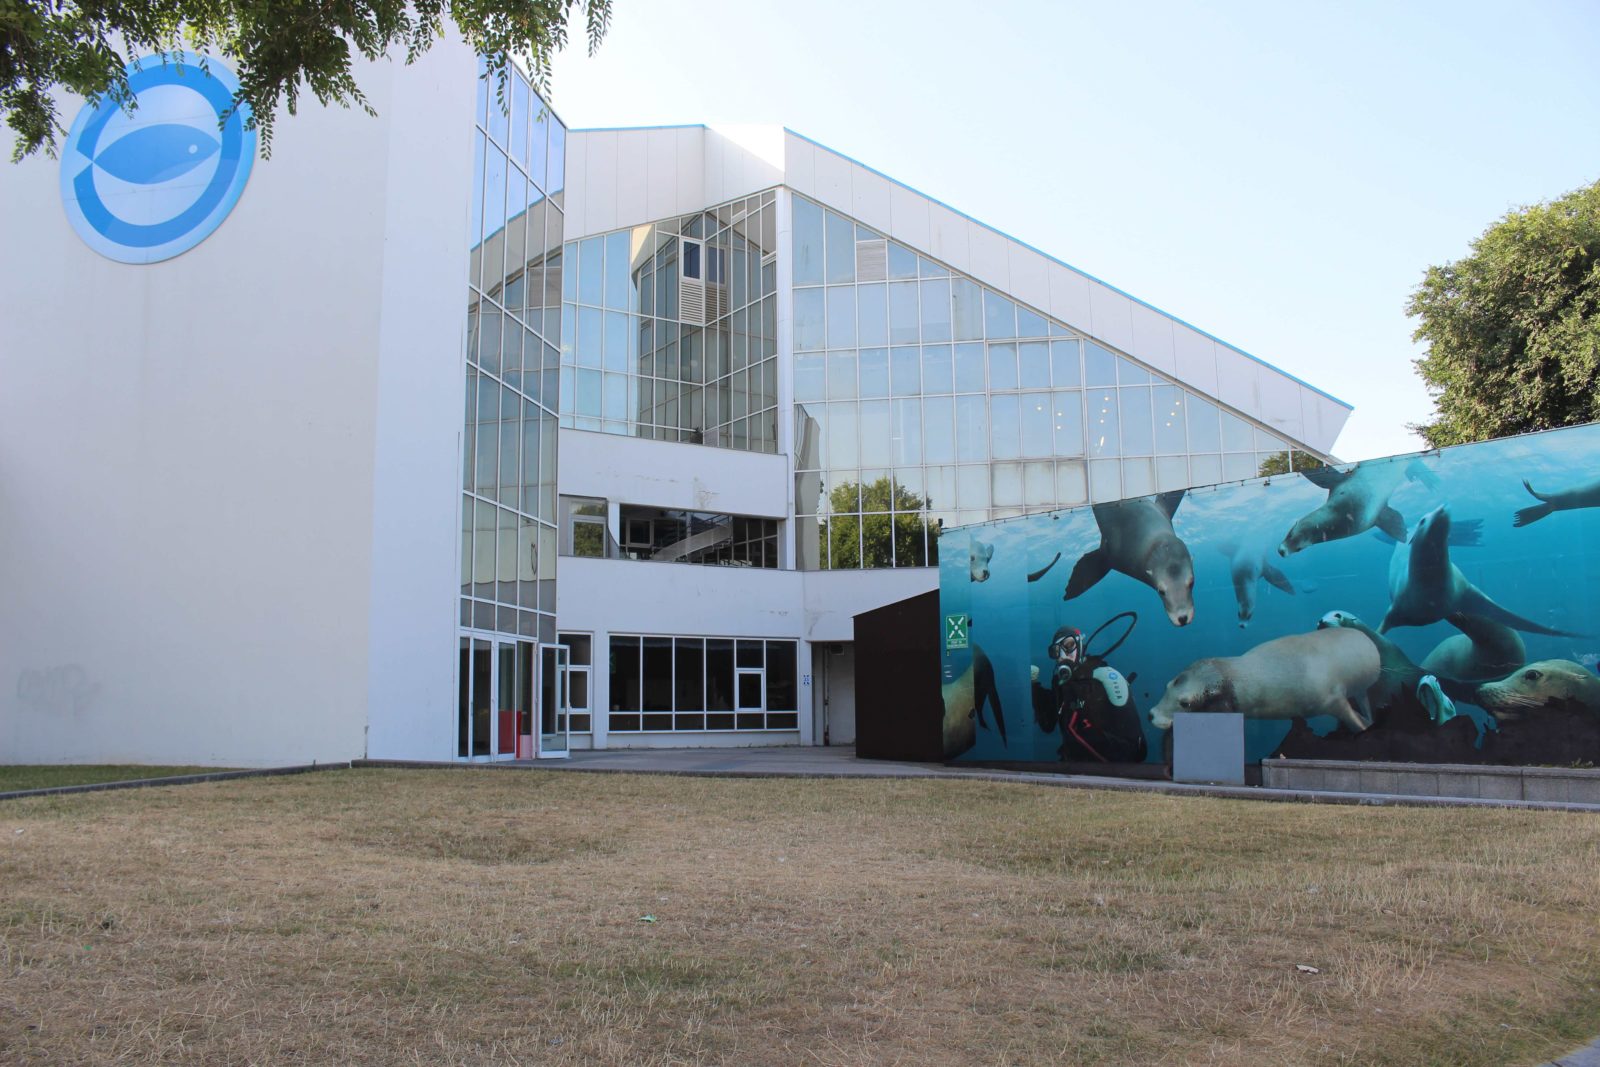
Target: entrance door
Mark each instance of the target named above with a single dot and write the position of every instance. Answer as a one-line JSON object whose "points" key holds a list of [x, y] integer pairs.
{"points": [[491, 688], [750, 699], [554, 712]]}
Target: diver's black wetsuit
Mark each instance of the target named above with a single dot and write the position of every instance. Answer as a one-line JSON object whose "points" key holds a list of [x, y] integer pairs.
{"points": [[1093, 729]]}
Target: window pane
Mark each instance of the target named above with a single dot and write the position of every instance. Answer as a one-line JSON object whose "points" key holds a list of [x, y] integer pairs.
{"points": [[1007, 485], [872, 315], [618, 283], [841, 316], [874, 372], [1169, 421], [1099, 366], [1004, 426], [1067, 411], [1002, 366], [936, 310], [625, 691], [1036, 425], [689, 692], [1131, 374], [809, 332], [807, 242], [842, 375], [841, 257], [657, 674], [783, 693], [972, 487], [1205, 434], [902, 261], [972, 429], [1030, 324], [903, 314], [906, 435], [966, 310], [938, 369], [1136, 429], [938, 437], [875, 433], [969, 368], [999, 316], [1237, 435], [842, 452], [1102, 405], [905, 370], [1065, 363], [719, 674], [591, 270], [1033, 365], [809, 376]]}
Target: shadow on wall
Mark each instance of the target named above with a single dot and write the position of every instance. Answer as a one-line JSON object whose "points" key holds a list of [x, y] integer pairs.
{"points": [[1438, 607]]}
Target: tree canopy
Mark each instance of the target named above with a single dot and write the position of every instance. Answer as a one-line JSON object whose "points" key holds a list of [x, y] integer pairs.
{"points": [[279, 50], [1513, 330]]}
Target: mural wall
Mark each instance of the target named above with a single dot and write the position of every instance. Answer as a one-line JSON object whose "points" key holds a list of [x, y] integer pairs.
{"points": [[1439, 607]]}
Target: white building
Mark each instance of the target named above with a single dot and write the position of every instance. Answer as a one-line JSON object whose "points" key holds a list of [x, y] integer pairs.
{"points": [[244, 522]]}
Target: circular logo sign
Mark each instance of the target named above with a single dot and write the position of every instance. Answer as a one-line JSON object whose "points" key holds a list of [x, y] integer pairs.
{"points": [[145, 187]]}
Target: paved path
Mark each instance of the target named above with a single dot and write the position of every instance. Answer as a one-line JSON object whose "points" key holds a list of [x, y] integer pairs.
{"points": [[840, 761]]}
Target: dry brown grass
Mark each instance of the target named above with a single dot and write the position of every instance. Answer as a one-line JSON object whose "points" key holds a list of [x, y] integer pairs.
{"points": [[493, 917]]}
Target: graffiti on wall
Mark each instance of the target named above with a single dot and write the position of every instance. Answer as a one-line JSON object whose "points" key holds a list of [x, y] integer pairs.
{"points": [[1438, 607]]}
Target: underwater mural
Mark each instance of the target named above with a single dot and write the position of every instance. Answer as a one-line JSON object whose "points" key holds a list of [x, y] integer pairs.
{"points": [[1434, 607]]}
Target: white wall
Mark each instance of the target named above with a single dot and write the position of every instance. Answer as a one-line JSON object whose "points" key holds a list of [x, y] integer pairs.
{"points": [[665, 474], [190, 451], [411, 663]]}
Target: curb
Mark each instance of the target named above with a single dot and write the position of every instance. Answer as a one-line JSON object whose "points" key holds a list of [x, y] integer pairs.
{"points": [[177, 779], [1122, 785]]}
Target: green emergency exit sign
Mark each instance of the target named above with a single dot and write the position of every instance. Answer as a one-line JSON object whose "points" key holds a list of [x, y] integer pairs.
{"points": [[955, 631]]}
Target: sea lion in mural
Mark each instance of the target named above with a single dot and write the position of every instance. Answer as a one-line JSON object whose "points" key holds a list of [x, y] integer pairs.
{"points": [[1248, 563], [978, 556], [1042, 571], [964, 699], [1484, 650], [1425, 587], [1136, 538], [1358, 500], [1582, 496], [1325, 672], [1399, 679], [1559, 684]]}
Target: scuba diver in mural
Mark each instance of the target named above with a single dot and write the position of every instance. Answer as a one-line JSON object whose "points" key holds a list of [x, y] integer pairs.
{"points": [[1088, 699]]}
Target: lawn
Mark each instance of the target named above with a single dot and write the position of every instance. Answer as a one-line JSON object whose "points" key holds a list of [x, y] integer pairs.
{"points": [[475, 917], [41, 776]]}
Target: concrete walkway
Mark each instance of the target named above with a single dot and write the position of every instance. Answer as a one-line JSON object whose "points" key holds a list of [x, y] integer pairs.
{"points": [[840, 761]]}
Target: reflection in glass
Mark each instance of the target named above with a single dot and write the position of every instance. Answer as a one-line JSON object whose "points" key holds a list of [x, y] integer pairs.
{"points": [[936, 310], [874, 372], [1101, 405]]}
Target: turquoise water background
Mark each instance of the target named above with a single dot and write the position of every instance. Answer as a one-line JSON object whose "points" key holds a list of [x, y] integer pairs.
{"points": [[1548, 572]]}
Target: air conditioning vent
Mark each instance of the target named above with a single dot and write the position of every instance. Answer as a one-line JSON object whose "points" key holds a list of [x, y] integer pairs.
{"points": [[692, 301], [872, 260]]}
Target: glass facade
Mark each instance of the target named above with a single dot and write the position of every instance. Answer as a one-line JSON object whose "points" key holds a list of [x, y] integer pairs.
{"points": [[924, 399], [508, 472], [670, 329]]}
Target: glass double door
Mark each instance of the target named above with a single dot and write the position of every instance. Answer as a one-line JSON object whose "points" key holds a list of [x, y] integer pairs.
{"points": [[512, 700]]}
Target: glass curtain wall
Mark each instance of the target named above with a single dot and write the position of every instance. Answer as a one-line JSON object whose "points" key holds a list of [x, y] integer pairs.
{"points": [[508, 475], [924, 399], [671, 332]]}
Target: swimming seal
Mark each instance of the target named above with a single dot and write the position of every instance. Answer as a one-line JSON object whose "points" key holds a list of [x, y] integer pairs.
{"points": [[1358, 500], [1582, 496], [1325, 672], [978, 556], [1136, 538], [1425, 587], [963, 705], [1550, 683], [1484, 650], [1248, 563]]}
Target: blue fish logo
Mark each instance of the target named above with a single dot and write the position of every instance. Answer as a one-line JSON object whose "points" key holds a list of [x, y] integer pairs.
{"points": [[151, 155]]}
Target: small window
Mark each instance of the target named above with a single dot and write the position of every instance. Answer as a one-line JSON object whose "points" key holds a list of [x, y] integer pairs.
{"points": [[691, 259]]}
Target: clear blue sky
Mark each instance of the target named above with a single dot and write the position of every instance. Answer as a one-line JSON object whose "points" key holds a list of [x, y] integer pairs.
{"points": [[1277, 174]]}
